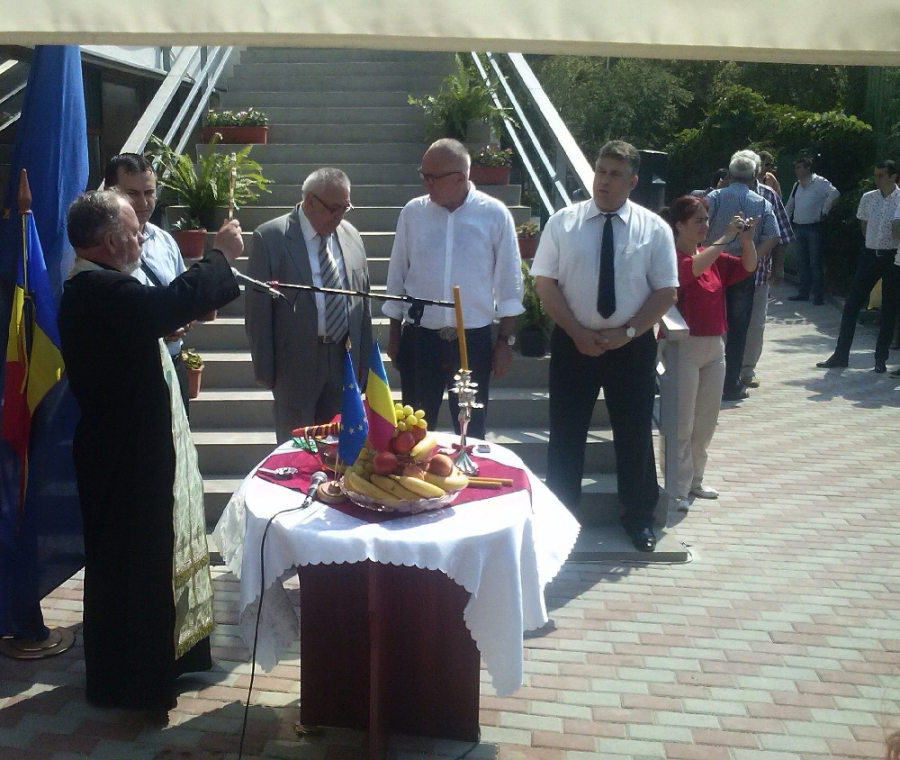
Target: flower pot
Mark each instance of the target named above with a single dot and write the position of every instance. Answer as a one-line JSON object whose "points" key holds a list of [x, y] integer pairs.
{"points": [[210, 316], [237, 135], [528, 246], [532, 341], [193, 378], [191, 243], [489, 175]]}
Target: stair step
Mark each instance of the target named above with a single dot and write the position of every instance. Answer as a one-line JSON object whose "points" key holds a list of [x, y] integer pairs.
{"points": [[362, 71], [337, 116], [251, 408], [412, 130], [415, 85], [340, 56], [343, 99], [330, 154], [383, 195]]}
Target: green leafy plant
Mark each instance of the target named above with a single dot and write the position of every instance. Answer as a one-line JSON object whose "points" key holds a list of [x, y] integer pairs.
{"points": [[206, 186], [527, 230], [534, 317], [250, 117], [191, 359], [463, 97], [492, 155], [187, 223]]}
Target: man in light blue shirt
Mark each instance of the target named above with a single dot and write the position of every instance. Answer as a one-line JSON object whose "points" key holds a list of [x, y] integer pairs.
{"points": [[133, 176], [740, 198]]}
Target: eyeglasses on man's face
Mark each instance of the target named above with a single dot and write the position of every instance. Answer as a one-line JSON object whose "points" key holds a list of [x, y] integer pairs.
{"points": [[334, 210], [432, 178]]}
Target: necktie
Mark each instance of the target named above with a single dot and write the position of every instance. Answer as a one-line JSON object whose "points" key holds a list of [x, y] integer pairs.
{"points": [[335, 308], [606, 288]]}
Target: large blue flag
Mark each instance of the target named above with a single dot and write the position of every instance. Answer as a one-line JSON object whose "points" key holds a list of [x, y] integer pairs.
{"points": [[354, 425], [45, 546]]}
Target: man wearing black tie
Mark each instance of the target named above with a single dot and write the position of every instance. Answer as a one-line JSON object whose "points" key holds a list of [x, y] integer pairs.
{"points": [[606, 272]]}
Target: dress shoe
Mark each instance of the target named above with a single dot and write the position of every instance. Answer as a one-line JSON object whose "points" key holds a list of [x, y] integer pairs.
{"points": [[738, 393], [818, 301], [895, 372], [832, 362], [682, 505], [702, 492], [880, 367], [798, 297], [643, 539], [750, 381]]}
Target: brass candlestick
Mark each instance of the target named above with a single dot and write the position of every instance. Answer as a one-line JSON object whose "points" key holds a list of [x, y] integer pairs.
{"points": [[465, 389]]}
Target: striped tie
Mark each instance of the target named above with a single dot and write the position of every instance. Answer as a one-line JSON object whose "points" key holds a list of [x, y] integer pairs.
{"points": [[335, 307]]}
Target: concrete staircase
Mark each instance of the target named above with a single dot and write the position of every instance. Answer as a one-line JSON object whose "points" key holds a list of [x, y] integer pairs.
{"points": [[349, 109]]}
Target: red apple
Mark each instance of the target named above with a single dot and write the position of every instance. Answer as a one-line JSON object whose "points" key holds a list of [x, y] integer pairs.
{"points": [[403, 442], [419, 433], [441, 465], [384, 463]]}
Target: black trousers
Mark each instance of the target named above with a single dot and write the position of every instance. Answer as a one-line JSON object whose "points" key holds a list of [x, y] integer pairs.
{"points": [[738, 309], [627, 377], [871, 267], [427, 364]]}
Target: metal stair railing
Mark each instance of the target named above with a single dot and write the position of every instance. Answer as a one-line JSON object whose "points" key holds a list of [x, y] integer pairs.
{"points": [[7, 119], [565, 178], [209, 63]]}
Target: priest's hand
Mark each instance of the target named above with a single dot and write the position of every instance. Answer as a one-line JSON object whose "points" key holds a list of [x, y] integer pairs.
{"points": [[228, 240]]}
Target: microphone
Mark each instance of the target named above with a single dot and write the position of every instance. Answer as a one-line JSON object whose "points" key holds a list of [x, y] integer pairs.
{"points": [[274, 292], [315, 481]]}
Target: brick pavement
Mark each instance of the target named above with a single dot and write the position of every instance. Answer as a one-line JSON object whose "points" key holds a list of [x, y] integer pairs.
{"points": [[780, 640]]}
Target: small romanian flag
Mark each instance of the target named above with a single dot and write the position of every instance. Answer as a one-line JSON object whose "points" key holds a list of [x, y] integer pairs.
{"points": [[379, 405]]}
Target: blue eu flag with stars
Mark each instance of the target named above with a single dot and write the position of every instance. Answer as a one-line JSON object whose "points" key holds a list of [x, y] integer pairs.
{"points": [[354, 425]]}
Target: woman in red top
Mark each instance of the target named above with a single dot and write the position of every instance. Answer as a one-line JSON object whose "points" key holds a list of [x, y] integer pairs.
{"points": [[703, 275]]}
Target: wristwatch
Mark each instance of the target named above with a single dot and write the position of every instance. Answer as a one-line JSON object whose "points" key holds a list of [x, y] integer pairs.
{"points": [[630, 332], [510, 339]]}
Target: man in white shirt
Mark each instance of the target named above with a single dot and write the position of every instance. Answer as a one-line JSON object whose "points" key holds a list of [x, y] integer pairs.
{"points": [[133, 176], [297, 345], [812, 197], [605, 271], [455, 235], [877, 262]]}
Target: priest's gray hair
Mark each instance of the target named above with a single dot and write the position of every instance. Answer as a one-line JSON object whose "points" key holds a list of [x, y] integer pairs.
{"points": [[454, 151], [744, 166], [92, 215], [322, 178]]}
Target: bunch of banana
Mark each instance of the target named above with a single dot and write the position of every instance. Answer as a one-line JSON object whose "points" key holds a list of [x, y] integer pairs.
{"points": [[390, 490]]}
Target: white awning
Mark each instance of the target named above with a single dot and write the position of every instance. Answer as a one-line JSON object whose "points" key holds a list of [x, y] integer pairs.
{"points": [[799, 31]]}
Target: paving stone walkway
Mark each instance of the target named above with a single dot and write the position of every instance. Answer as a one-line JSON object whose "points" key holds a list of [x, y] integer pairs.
{"points": [[779, 640]]}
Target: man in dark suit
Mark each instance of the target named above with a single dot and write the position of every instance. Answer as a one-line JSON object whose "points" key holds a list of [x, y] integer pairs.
{"points": [[298, 345]]}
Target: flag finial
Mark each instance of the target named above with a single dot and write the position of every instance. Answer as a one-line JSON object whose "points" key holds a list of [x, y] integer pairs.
{"points": [[24, 194]]}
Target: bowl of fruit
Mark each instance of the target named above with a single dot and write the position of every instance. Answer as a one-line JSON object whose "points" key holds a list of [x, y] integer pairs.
{"points": [[407, 476]]}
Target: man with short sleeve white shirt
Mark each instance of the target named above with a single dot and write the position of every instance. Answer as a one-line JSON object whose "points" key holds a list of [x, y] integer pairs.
{"points": [[877, 262], [617, 352], [455, 235]]}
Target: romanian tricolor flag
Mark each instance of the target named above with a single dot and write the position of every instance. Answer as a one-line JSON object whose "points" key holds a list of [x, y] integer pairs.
{"points": [[379, 405], [33, 359]]}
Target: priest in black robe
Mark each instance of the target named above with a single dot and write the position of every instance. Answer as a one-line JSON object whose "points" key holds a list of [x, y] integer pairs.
{"points": [[147, 586]]}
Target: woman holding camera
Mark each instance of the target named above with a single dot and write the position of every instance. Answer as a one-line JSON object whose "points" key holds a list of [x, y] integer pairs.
{"points": [[703, 275]]}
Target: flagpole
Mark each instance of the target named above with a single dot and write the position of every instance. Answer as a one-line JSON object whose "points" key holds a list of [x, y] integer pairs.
{"points": [[58, 640]]}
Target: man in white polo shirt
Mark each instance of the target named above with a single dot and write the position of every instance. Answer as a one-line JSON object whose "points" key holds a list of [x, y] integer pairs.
{"points": [[875, 213], [605, 271]]}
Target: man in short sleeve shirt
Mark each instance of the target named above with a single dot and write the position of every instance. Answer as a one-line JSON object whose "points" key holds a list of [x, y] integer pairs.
{"points": [[616, 352]]}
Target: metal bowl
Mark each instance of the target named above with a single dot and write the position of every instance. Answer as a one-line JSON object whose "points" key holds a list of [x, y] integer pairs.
{"points": [[404, 507]]}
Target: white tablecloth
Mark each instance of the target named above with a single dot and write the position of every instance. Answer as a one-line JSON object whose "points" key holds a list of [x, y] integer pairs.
{"points": [[503, 550]]}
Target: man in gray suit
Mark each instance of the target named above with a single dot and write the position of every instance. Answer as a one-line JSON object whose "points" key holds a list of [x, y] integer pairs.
{"points": [[298, 345]]}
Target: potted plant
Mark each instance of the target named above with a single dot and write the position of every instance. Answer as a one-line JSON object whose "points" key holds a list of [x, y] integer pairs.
{"points": [[191, 238], [237, 127], [204, 188], [193, 363], [462, 98], [528, 236], [490, 165], [534, 323]]}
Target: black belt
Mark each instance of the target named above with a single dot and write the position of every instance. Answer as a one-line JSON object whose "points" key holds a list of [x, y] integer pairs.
{"points": [[883, 251], [451, 333]]}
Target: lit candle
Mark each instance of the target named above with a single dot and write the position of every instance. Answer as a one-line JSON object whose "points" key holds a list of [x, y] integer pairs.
{"points": [[460, 331]]}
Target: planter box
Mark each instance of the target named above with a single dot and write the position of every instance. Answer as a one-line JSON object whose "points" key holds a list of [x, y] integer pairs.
{"points": [[191, 243], [211, 218], [237, 135], [193, 378], [528, 246], [532, 341], [489, 175]]}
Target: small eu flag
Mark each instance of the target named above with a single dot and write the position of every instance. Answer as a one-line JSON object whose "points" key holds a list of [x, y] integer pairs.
{"points": [[354, 426]]}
